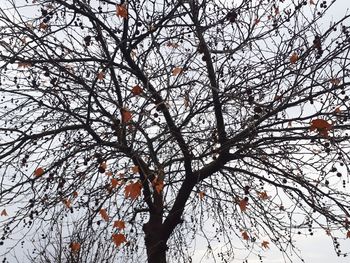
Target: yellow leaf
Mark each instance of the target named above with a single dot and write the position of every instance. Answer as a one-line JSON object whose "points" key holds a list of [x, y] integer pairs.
{"points": [[39, 172], [119, 224], [4, 213], [176, 71], [265, 244], [294, 58], [104, 214], [118, 239], [122, 11]]}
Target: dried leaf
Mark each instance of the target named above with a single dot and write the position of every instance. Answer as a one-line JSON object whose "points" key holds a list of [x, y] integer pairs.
{"points": [[43, 26], [118, 239], [122, 11], [24, 65], [172, 45], [158, 185], [243, 204], [136, 90], [245, 235], [75, 194], [294, 58], [133, 190], [335, 81], [39, 172], [119, 224], [104, 214], [176, 71], [322, 126], [126, 116], [4, 213], [101, 75], [312, 2], [265, 244], [201, 195], [67, 203], [114, 182], [135, 169], [263, 195], [348, 234], [75, 247]]}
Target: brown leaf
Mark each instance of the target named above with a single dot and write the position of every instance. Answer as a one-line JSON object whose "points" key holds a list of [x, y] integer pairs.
{"points": [[133, 190], [67, 203], [126, 116], [322, 126], [201, 195], [39, 172], [135, 169], [114, 182], [101, 75], [335, 81], [158, 185], [118, 239], [263, 195], [243, 204], [348, 234], [245, 235], [119, 224], [75, 194], [104, 214], [265, 244], [3, 213], [136, 90], [294, 58], [122, 11], [43, 26], [75, 247], [176, 71], [24, 65]]}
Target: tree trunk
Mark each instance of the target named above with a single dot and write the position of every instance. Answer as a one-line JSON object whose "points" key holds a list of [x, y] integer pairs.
{"points": [[155, 245]]}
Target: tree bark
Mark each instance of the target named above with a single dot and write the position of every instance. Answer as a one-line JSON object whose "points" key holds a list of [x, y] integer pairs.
{"points": [[155, 244]]}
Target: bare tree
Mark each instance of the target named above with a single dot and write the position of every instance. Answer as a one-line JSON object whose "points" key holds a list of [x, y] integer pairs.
{"points": [[137, 127]]}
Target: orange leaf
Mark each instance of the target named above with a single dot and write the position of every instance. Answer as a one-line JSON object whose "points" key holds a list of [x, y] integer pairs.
{"points": [[348, 234], [177, 71], [126, 116], [245, 235], [101, 75], [122, 11], [201, 195], [67, 203], [4, 213], [75, 247], [243, 204], [263, 195], [118, 239], [136, 90], [133, 190], [322, 126], [294, 58], [119, 224], [265, 244], [104, 214], [39, 172]]}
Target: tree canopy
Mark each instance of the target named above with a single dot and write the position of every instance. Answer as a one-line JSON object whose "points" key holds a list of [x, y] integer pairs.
{"points": [[129, 130]]}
